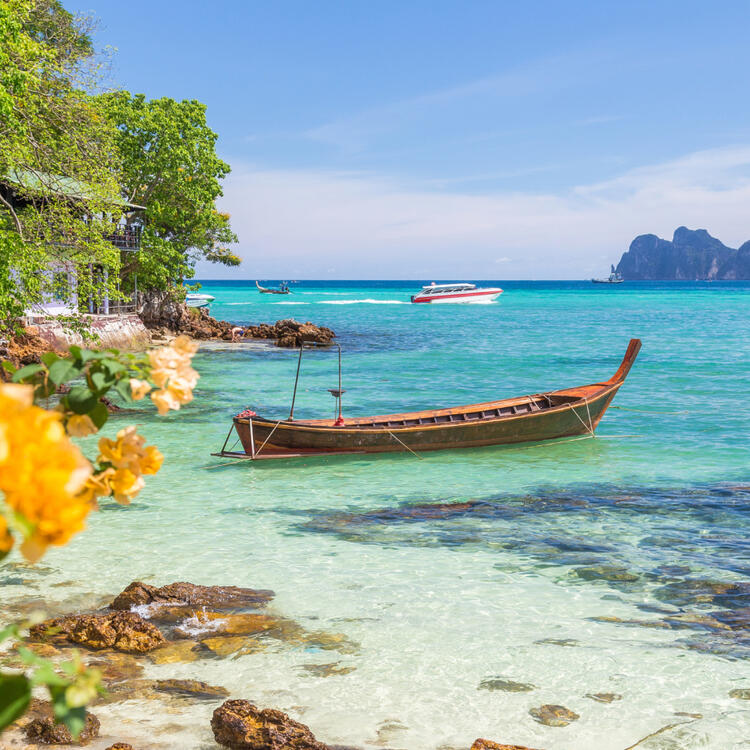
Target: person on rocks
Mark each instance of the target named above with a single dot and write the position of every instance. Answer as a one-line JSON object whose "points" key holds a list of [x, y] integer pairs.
{"points": [[237, 333]]}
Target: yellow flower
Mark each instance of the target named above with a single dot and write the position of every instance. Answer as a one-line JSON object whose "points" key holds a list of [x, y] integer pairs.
{"points": [[152, 460], [185, 345], [41, 472], [80, 425], [138, 388], [164, 400], [125, 451], [97, 485], [126, 485]]}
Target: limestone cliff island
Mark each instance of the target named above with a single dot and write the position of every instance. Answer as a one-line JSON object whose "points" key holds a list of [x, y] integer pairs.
{"points": [[692, 255]]}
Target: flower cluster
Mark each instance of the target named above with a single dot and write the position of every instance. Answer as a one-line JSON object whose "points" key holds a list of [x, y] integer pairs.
{"points": [[171, 373], [41, 474], [126, 459]]}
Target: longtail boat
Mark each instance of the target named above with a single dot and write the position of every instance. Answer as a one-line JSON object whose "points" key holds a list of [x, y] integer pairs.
{"points": [[542, 416], [283, 289]]}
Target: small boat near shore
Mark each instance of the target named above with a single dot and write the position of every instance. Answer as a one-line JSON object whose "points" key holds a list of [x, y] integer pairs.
{"points": [[568, 412], [194, 299], [433, 293], [283, 289]]}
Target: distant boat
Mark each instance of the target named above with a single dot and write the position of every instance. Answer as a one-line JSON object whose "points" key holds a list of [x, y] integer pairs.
{"points": [[194, 299], [283, 289], [456, 293], [613, 278]]}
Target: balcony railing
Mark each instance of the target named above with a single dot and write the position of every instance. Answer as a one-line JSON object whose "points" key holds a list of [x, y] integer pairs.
{"points": [[127, 238]]}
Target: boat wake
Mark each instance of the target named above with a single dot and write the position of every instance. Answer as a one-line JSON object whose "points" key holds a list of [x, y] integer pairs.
{"points": [[363, 302]]}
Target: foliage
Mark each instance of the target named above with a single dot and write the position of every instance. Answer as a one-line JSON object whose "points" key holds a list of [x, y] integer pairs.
{"points": [[48, 487], [59, 181], [170, 166]]}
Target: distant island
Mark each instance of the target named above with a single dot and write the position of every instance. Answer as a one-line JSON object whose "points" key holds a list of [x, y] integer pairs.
{"points": [[692, 255]]}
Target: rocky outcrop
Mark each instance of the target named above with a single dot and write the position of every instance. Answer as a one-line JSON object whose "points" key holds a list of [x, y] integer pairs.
{"points": [[183, 593], [692, 255], [43, 729], [291, 333], [25, 348], [239, 725], [122, 631]]}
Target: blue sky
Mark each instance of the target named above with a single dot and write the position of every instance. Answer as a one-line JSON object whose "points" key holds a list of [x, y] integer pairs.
{"points": [[455, 139]]}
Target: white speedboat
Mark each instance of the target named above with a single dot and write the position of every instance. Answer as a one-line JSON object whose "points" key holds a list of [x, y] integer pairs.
{"points": [[194, 299], [456, 293]]}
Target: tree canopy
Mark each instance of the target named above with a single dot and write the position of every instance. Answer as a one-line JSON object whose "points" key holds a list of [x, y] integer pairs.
{"points": [[169, 164]]}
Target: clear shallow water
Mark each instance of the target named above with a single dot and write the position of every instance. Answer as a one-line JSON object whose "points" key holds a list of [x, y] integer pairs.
{"points": [[465, 566]]}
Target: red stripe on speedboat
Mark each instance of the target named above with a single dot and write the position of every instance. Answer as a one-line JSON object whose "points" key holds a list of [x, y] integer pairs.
{"points": [[456, 296]]}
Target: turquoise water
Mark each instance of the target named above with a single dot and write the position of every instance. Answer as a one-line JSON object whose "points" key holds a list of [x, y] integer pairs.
{"points": [[457, 568]]}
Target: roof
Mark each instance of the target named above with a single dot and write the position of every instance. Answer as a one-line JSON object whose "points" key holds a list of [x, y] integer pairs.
{"points": [[65, 186], [450, 286]]}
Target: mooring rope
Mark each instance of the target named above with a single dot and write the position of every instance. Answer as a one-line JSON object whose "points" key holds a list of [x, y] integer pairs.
{"points": [[269, 437], [590, 425], [404, 444]]}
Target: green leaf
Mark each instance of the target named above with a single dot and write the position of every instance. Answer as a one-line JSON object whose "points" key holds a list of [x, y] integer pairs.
{"points": [[49, 357], [61, 371], [123, 388], [75, 351], [73, 718], [15, 696], [26, 372], [81, 400], [100, 382], [8, 366], [99, 415], [112, 366]]}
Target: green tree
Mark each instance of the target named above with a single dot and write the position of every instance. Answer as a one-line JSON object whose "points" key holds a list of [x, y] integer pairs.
{"points": [[170, 166], [59, 181]]}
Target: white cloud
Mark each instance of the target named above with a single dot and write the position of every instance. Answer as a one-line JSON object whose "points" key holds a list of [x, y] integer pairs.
{"points": [[297, 223]]}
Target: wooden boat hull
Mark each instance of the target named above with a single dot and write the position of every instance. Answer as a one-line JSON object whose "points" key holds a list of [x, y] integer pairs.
{"points": [[544, 416]]}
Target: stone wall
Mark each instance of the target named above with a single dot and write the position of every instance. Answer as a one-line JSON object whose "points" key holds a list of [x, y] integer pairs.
{"points": [[125, 332]]}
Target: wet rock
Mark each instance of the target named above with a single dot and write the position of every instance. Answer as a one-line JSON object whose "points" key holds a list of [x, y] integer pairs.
{"points": [[232, 644], [482, 744], [43, 729], [190, 689], [697, 621], [567, 642], [326, 670], [122, 631], [172, 653], [742, 694], [691, 591], [688, 714], [117, 667], [239, 725], [120, 746], [738, 619], [552, 715], [291, 333], [612, 573], [507, 686], [207, 624], [219, 597], [604, 697]]}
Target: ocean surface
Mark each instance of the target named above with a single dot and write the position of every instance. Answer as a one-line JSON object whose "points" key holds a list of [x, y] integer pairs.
{"points": [[466, 588]]}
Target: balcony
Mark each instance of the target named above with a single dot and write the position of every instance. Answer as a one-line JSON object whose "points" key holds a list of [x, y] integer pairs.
{"points": [[127, 238]]}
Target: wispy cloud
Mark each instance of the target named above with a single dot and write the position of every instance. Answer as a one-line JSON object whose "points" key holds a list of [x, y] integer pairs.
{"points": [[600, 119], [296, 222]]}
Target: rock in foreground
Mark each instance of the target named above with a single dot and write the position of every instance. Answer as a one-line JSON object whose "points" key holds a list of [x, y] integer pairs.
{"points": [[239, 725], [222, 597], [122, 631], [44, 730], [554, 716]]}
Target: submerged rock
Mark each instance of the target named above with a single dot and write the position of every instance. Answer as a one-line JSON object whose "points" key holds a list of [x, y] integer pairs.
{"points": [[231, 644], [481, 744], [613, 573], [190, 689], [239, 725], [326, 670], [171, 653], [43, 729], [604, 697], [120, 746], [552, 715], [122, 631], [733, 595], [207, 624], [507, 686], [219, 597], [742, 694]]}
